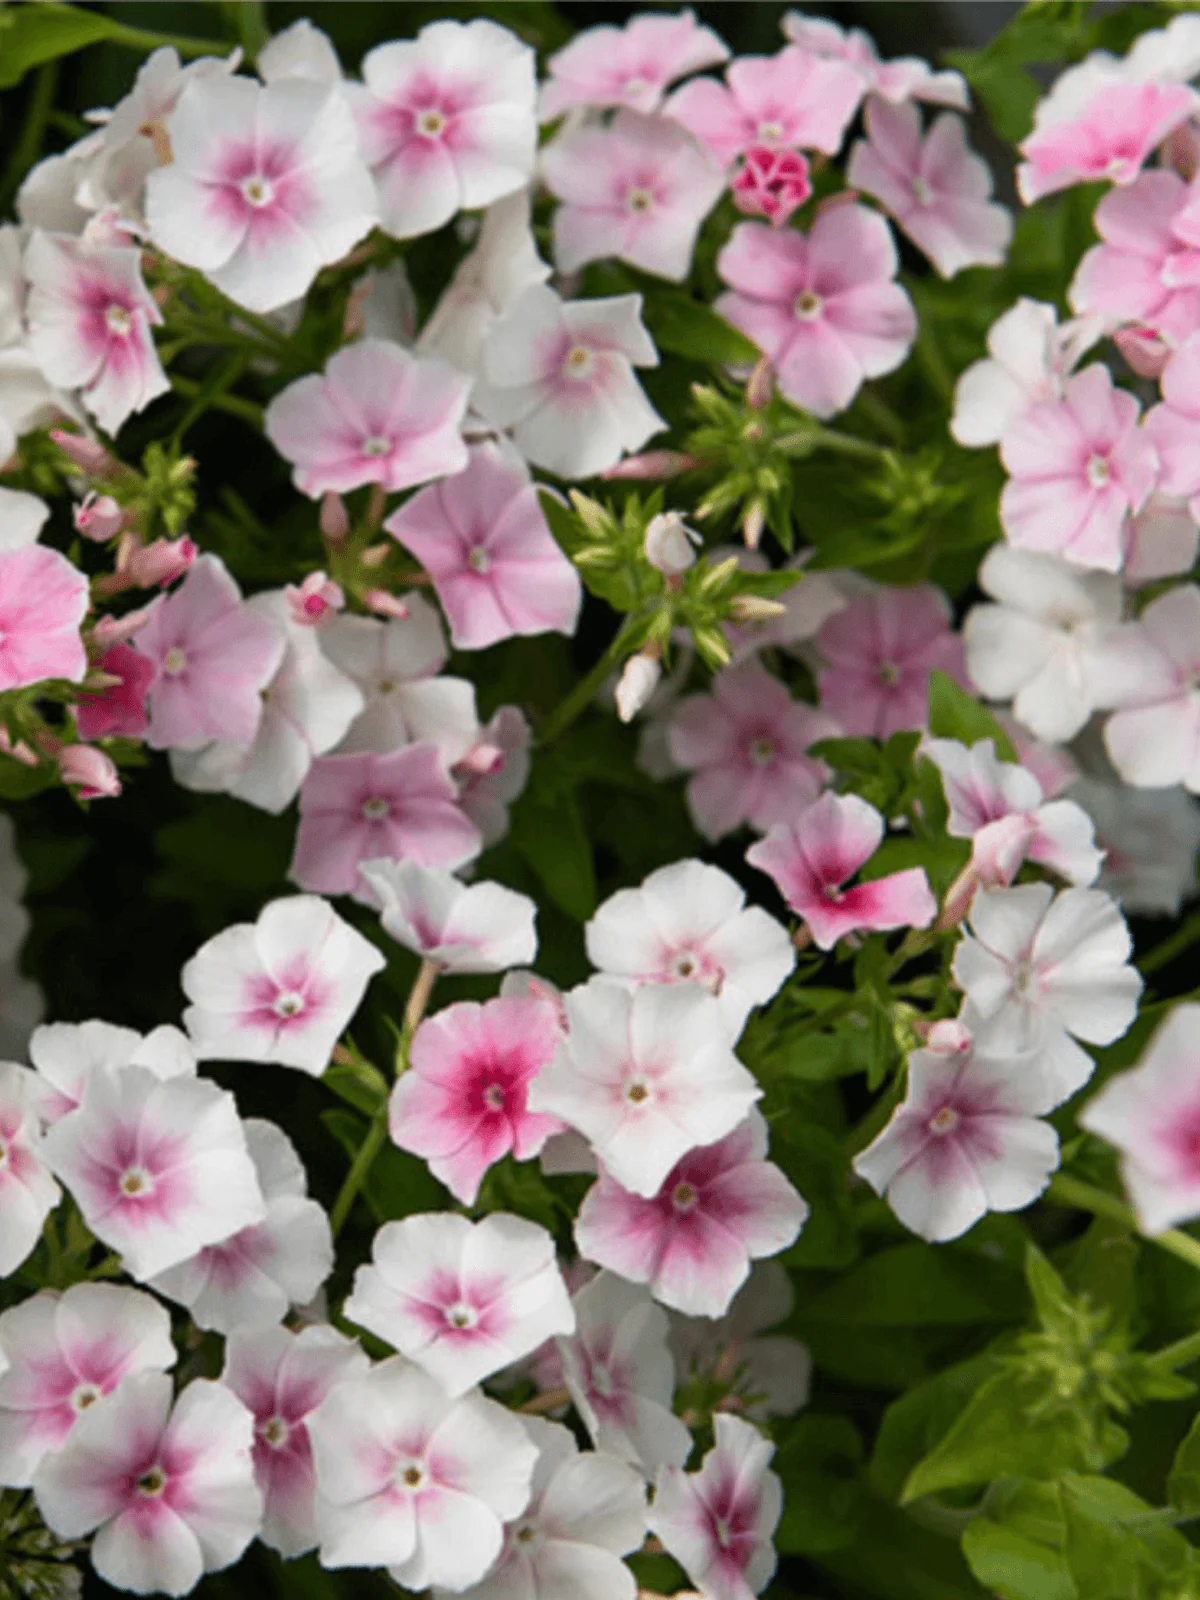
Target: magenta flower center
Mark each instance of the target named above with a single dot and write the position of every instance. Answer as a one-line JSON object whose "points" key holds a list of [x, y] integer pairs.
{"points": [[808, 306], [152, 1483], [118, 319], [1099, 472], [84, 1396], [258, 191], [684, 1196], [174, 662], [376, 808], [275, 1432], [494, 1097], [135, 1183], [943, 1121], [431, 123], [289, 1004]]}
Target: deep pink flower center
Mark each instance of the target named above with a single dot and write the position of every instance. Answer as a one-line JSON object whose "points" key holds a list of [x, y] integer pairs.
{"points": [[275, 1432], [808, 306], [258, 190], [288, 1003], [684, 1196], [152, 1483], [430, 123], [494, 1097], [135, 1183], [461, 1315]]}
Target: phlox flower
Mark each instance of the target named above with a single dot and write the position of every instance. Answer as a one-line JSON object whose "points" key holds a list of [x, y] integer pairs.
{"points": [[478, 927], [637, 189], [1151, 1114], [254, 1278], [629, 66], [158, 1169], [645, 1076], [619, 1371], [1150, 840], [746, 745], [486, 790], [719, 1208], [771, 184], [119, 709], [1029, 357], [280, 989], [461, 1299], [812, 859], [265, 186], [905, 78], [791, 100], [43, 600], [771, 1372], [559, 375], [1153, 740], [718, 1522], [22, 517], [1164, 538], [1174, 426], [822, 305], [446, 122], [66, 1055], [63, 1352], [299, 51], [412, 1479], [689, 923], [377, 414], [168, 1491], [89, 316], [282, 1377], [28, 1193], [484, 540], [463, 1103]]}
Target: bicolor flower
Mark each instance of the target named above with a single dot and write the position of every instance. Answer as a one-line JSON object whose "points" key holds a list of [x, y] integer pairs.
{"points": [[1153, 739], [905, 78], [476, 927], [28, 1193], [788, 101], [120, 708], [43, 600], [68, 1054], [1029, 359], [630, 66], [1150, 839]]}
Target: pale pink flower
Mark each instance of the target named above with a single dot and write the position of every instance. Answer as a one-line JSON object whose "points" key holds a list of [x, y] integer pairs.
{"points": [[771, 184], [90, 316], [1154, 739], [462, 1299], [1174, 426], [483, 538], [812, 858], [64, 1351], [1029, 357], [967, 1139], [637, 189], [214, 655], [629, 66], [823, 306], [377, 414], [718, 1523], [689, 923], [120, 708], [477, 927], [414, 1480], [746, 744], [282, 1377], [358, 808], [768, 1374], [463, 1103], [937, 189], [878, 652], [905, 78], [98, 517], [1151, 1114], [28, 1193], [67, 1054], [265, 187], [315, 600], [1150, 839], [43, 600], [168, 1493], [158, 1169], [789, 101], [281, 989], [1164, 537], [91, 773], [645, 1076], [619, 1371], [485, 794], [719, 1208]]}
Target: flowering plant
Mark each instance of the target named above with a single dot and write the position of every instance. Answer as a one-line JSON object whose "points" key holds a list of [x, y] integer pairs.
{"points": [[599, 728]]}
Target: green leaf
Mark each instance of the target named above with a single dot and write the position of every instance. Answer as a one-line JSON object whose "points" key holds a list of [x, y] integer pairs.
{"points": [[1055, 1307], [826, 1506], [33, 34], [917, 1285], [1116, 1545], [17, 781], [1004, 1551], [954, 714], [550, 835], [685, 327], [398, 1184], [1183, 1485]]}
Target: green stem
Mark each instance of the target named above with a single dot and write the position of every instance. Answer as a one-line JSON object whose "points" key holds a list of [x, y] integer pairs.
{"points": [[1179, 1354], [33, 127], [146, 39], [576, 702], [845, 444], [234, 404], [929, 354], [1163, 954], [1068, 1191], [212, 392]]}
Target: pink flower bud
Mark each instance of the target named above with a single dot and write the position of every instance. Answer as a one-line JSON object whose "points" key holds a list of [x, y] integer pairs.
{"points": [[948, 1037], [317, 598], [334, 519], [376, 554], [652, 464], [482, 760], [115, 630], [771, 184], [637, 683], [156, 565], [18, 749], [85, 453], [385, 604], [99, 517], [89, 771], [670, 543], [760, 385]]}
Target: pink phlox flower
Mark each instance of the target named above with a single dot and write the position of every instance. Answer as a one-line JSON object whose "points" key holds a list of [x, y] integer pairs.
{"points": [[315, 600], [1029, 358], [1150, 838], [637, 189], [90, 773], [477, 927], [463, 1103], [168, 1492], [771, 183], [807, 606], [158, 1169], [280, 989], [486, 795], [718, 1522], [768, 1374], [905, 78], [1164, 537], [97, 517], [812, 859], [1153, 740], [121, 707], [483, 538], [63, 1352], [689, 923], [356, 808], [255, 1277], [1174, 426], [377, 414], [266, 186], [823, 306], [28, 1193], [629, 66], [66, 1055], [43, 600], [746, 745], [462, 1299], [282, 1377], [719, 1208]]}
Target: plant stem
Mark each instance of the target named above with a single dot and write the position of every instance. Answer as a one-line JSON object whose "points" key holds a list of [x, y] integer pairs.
{"points": [[234, 404], [1068, 1191], [548, 1400], [1179, 1354], [573, 704], [1182, 939], [146, 39]]}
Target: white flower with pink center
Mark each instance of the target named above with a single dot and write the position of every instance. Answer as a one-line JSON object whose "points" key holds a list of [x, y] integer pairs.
{"points": [[412, 1479], [1151, 1114], [1150, 840], [169, 1493], [1029, 358], [494, 773], [719, 1208], [89, 316], [718, 1523], [689, 923], [1174, 426], [377, 414], [463, 1103], [66, 1054], [63, 1353], [282, 1377], [157, 1169], [464, 927], [265, 187], [255, 1277], [905, 78], [462, 1299], [645, 1077], [28, 1193], [629, 66], [447, 122], [967, 1139], [1153, 739], [280, 989], [559, 374], [620, 1374], [769, 1374]]}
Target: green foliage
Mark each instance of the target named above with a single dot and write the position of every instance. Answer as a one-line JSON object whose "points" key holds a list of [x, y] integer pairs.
{"points": [[954, 714]]}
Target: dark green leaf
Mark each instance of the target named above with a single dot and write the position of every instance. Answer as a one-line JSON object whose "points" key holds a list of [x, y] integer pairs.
{"points": [[685, 327], [954, 714]]}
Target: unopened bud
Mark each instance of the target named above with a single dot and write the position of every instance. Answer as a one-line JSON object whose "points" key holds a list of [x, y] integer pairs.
{"points": [[385, 604], [376, 554], [760, 386], [638, 682], [652, 465], [99, 517], [115, 630], [948, 1036], [312, 601], [88, 771], [670, 543], [482, 760], [755, 608], [333, 519], [86, 453], [151, 566], [753, 524]]}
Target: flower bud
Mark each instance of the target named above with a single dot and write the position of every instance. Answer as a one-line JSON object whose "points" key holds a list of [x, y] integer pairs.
{"points": [[313, 601], [651, 464], [99, 517], [948, 1037], [482, 760], [760, 385], [385, 604], [755, 608], [115, 630], [155, 565], [670, 543], [89, 772], [637, 683], [86, 453], [333, 519], [771, 183], [753, 524]]}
